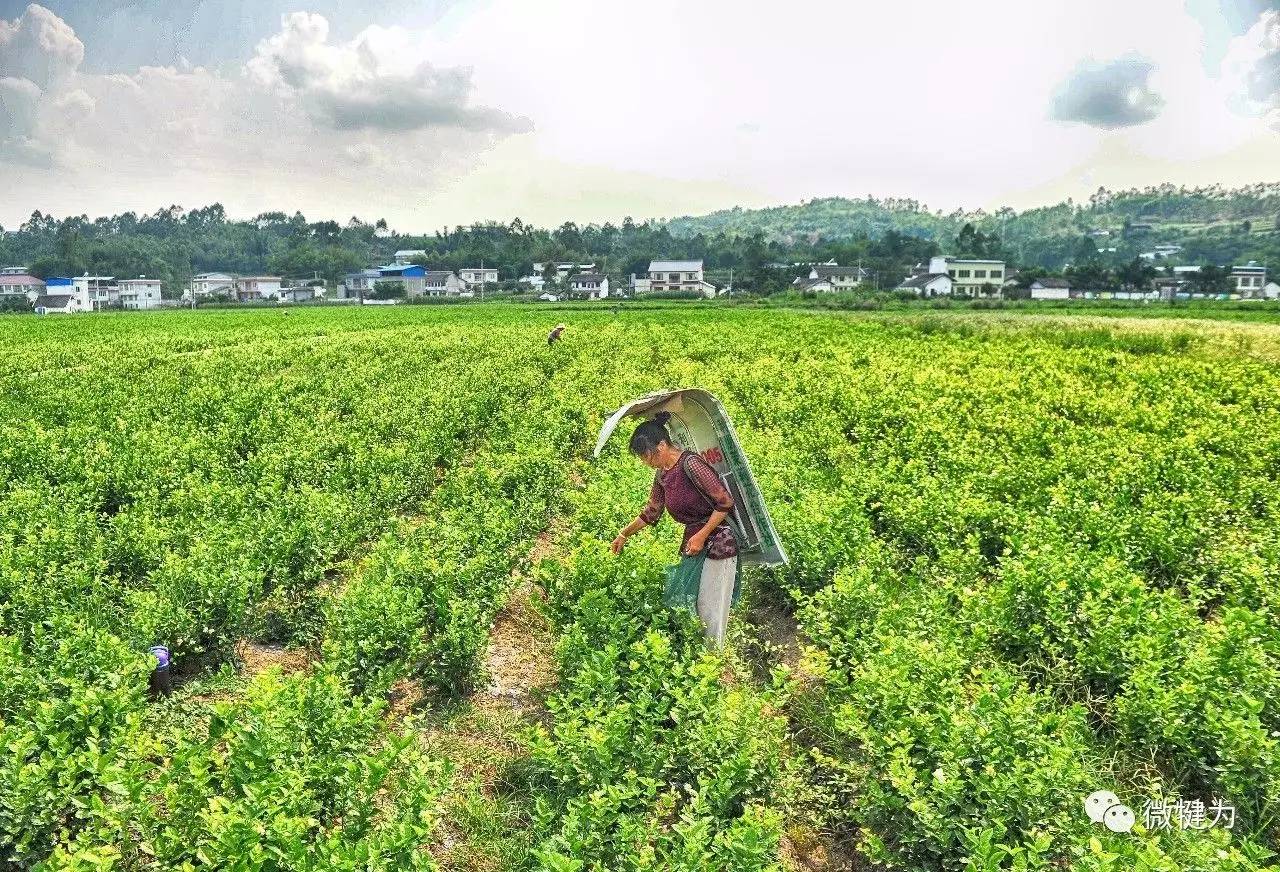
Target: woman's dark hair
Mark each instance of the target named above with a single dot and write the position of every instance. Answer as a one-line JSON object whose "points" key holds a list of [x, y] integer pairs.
{"points": [[650, 434]]}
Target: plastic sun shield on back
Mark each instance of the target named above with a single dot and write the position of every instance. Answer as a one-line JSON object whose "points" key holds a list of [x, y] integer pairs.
{"points": [[699, 423]]}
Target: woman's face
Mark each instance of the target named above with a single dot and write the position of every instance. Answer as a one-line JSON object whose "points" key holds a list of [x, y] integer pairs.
{"points": [[653, 458]]}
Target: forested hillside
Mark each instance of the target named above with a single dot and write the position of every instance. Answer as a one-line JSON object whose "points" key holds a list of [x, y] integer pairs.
{"points": [[1213, 225]]}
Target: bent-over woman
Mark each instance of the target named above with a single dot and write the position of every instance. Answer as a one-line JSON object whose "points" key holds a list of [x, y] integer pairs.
{"points": [[688, 488]]}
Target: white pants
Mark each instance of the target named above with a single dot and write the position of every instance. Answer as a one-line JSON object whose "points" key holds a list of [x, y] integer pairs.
{"points": [[715, 595]]}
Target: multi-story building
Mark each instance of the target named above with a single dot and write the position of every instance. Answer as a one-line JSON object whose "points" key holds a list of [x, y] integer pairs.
{"points": [[412, 277], [250, 288], [61, 295], [443, 282], [1249, 280], [594, 285], [476, 276], [538, 278], [210, 283], [679, 275], [16, 282], [358, 285], [140, 293], [96, 292], [971, 277]]}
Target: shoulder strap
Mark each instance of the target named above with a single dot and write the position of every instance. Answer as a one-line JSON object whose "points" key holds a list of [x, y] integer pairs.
{"points": [[732, 519], [693, 480]]}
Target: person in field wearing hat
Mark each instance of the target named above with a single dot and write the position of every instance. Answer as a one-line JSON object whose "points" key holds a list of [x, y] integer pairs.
{"points": [[554, 336], [688, 489]]}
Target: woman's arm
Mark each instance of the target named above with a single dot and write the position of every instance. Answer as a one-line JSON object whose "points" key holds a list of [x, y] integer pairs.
{"points": [[699, 539], [651, 513]]}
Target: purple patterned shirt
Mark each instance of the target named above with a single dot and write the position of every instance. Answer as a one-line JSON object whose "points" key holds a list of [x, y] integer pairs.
{"points": [[688, 503]]}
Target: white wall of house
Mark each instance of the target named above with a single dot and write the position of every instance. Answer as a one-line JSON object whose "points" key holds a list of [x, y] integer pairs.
{"points": [[258, 287], [212, 283], [140, 293], [476, 275]]}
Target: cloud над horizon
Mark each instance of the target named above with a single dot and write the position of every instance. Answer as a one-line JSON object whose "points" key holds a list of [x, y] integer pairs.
{"points": [[374, 82], [1108, 95]]}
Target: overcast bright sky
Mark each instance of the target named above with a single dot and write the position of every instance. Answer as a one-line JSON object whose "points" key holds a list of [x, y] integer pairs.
{"points": [[434, 112]]}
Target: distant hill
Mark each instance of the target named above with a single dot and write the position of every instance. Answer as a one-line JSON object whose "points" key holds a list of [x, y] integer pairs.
{"points": [[1210, 223]]}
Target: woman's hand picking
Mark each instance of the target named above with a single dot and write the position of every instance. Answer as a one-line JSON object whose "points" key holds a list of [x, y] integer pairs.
{"points": [[695, 544], [616, 545]]}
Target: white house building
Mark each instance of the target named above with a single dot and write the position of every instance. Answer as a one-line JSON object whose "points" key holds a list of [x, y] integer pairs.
{"points": [[1250, 279], [17, 282], [476, 276], [971, 278], [210, 283], [679, 275], [594, 285], [406, 255], [300, 293], [357, 285], [56, 304], [249, 288], [821, 286], [140, 293], [840, 278], [538, 278], [442, 283], [930, 284], [1050, 289], [96, 292]]}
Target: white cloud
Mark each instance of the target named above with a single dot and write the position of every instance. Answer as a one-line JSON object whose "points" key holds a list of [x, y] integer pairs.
{"points": [[332, 123], [38, 55], [374, 82], [1252, 67], [644, 109], [1109, 95]]}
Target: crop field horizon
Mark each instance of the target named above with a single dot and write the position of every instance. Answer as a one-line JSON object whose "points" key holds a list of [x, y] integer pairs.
{"points": [[1033, 556]]}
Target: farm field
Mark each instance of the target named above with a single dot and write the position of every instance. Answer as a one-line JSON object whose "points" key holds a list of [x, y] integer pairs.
{"points": [[1032, 556]]}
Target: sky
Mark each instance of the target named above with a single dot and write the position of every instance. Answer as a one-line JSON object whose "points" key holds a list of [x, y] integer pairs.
{"points": [[430, 113]]}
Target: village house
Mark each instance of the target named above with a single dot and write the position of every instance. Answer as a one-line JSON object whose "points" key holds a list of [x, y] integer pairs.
{"points": [[250, 288], [56, 304], [358, 285], [679, 275], [1050, 289], [140, 293], [840, 278], [594, 285], [817, 285], [96, 292], [211, 283], [538, 278], [1248, 280], [411, 277], [477, 276], [443, 282], [928, 284], [300, 293], [972, 277], [406, 255], [16, 282]]}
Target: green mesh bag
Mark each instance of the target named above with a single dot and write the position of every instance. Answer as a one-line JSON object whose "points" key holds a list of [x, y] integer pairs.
{"points": [[683, 580]]}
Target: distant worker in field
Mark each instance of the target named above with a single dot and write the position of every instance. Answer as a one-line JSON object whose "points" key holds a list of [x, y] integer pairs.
{"points": [[688, 488], [554, 336]]}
